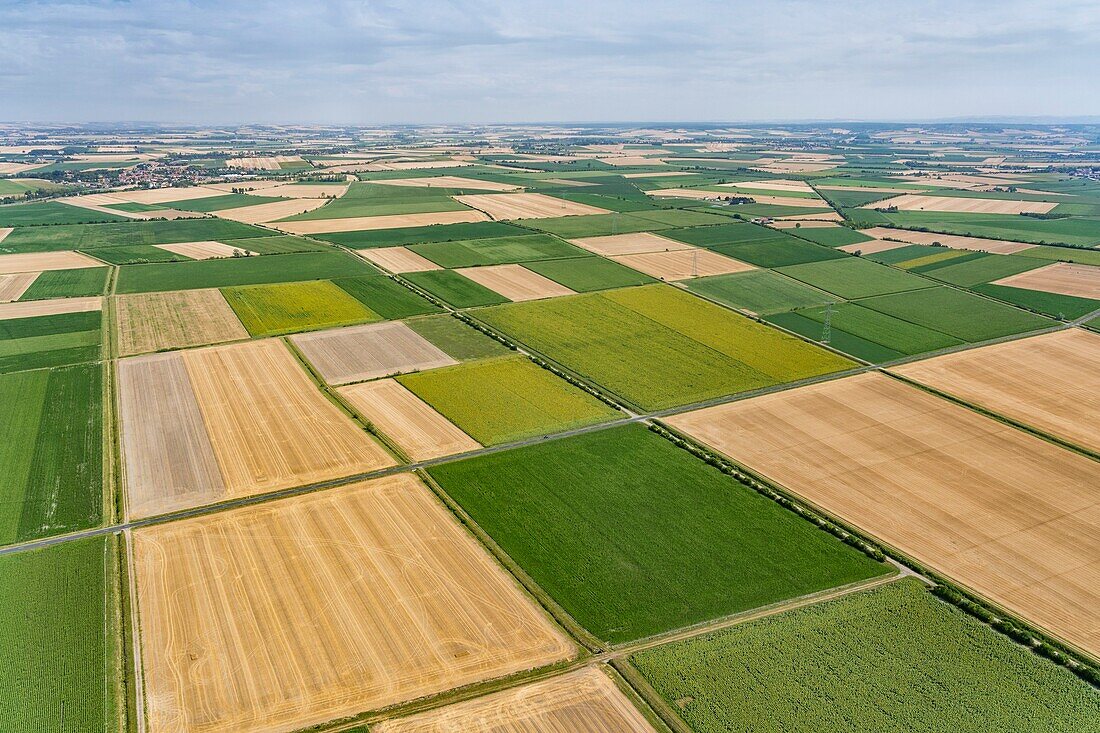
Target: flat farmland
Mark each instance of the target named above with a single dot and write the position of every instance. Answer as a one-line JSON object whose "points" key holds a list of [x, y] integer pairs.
{"points": [[90, 236], [13, 286], [1050, 382], [954, 241], [854, 277], [278, 308], [495, 251], [918, 202], [80, 282], [51, 452], [459, 291], [585, 701], [1063, 278], [420, 431], [759, 291], [515, 282], [203, 250], [507, 206], [1005, 513], [283, 615], [506, 399], [58, 639], [840, 665], [592, 520], [173, 320], [957, 313], [239, 271], [658, 347], [585, 274], [398, 259], [50, 340], [39, 261], [682, 264], [205, 425], [390, 221], [365, 352], [629, 244]]}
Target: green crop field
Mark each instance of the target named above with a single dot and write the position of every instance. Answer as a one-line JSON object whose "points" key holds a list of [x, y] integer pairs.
{"points": [[20, 186], [890, 659], [496, 251], [593, 520], [854, 277], [838, 339], [1075, 231], [1065, 254], [221, 203], [983, 269], [276, 245], [957, 313], [59, 640], [456, 289], [506, 399], [456, 339], [51, 478], [239, 271], [83, 282], [386, 297], [585, 274], [831, 236], [895, 334], [658, 347], [421, 235], [270, 310], [730, 233], [779, 252], [1051, 304], [369, 199], [134, 254], [92, 236], [50, 212], [46, 341], [759, 291], [596, 225]]}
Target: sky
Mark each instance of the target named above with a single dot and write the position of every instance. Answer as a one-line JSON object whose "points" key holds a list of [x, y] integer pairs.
{"points": [[507, 61]]}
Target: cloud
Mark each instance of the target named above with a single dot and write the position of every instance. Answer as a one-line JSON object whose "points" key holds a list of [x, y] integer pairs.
{"points": [[520, 60]]}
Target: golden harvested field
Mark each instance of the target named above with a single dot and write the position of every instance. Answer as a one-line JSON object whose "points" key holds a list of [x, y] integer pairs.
{"points": [[166, 451], [49, 307], [270, 426], [585, 701], [268, 163], [954, 241], [174, 320], [796, 167], [683, 264], [279, 616], [8, 169], [165, 195], [449, 182], [390, 221], [13, 286], [1050, 382], [1082, 281], [631, 160], [629, 244], [398, 259], [919, 202], [515, 282], [505, 206], [865, 189], [406, 419], [248, 186], [5, 231], [261, 213], [775, 184], [872, 246], [1010, 515], [658, 174], [202, 250], [357, 353], [40, 261]]}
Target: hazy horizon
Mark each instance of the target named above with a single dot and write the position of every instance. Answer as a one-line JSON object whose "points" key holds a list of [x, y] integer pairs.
{"points": [[485, 61]]}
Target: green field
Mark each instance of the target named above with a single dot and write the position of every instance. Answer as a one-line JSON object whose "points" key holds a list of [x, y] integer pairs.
{"points": [[59, 640], [92, 236], [1065, 254], [421, 235], [456, 289], [239, 271], [758, 291], [890, 659], [831, 236], [386, 297], [496, 251], [135, 254], [658, 347], [370, 199], [458, 340], [506, 399], [47, 341], [1075, 231], [50, 212], [957, 313], [983, 269], [1051, 304], [277, 245], [634, 536], [731, 233], [779, 252], [20, 186], [854, 277], [270, 310], [79, 283], [221, 203], [585, 274], [900, 337], [51, 465], [596, 225]]}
